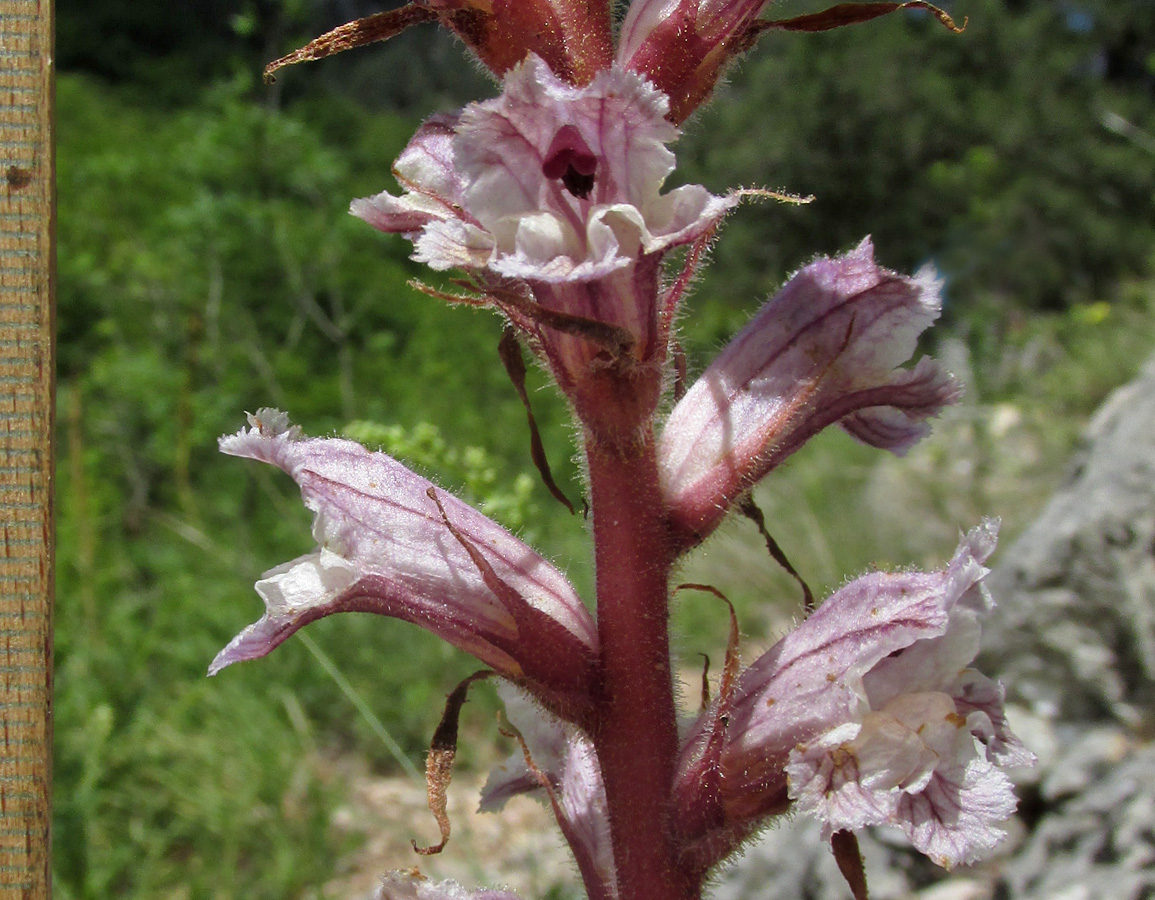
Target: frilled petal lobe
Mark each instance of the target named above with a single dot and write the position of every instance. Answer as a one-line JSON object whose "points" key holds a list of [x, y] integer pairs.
{"points": [[433, 186], [411, 886], [549, 182], [823, 350], [565, 758], [914, 764], [867, 714], [385, 546]]}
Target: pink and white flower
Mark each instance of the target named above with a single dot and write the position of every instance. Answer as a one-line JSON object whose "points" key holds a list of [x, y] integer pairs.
{"points": [[551, 197], [868, 714], [823, 350], [548, 183], [388, 542]]}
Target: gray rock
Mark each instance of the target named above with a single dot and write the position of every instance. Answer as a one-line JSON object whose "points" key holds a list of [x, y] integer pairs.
{"points": [[1097, 844], [1074, 634], [791, 862], [1073, 639]]}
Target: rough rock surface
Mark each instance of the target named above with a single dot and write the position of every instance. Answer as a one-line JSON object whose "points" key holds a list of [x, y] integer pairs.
{"points": [[1074, 634], [1073, 639]]}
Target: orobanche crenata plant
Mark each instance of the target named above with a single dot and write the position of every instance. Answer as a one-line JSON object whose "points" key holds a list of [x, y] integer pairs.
{"points": [[548, 201]]}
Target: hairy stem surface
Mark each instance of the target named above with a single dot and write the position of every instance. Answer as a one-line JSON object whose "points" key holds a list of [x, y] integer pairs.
{"points": [[636, 733]]}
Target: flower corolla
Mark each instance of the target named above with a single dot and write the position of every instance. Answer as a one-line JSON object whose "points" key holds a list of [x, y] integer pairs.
{"points": [[868, 713], [547, 183], [824, 349], [389, 542], [683, 46], [550, 196], [557, 762]]}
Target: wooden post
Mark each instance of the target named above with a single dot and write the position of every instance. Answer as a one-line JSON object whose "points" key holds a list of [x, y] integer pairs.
{"points": [[27, 281]]}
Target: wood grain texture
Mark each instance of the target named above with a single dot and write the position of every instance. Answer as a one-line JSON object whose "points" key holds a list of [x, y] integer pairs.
{"points": [[27, 262]]}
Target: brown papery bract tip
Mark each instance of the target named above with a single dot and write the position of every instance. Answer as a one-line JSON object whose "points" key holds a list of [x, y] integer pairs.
{"points": [[439, 763], [358, 33], [852, 14]]}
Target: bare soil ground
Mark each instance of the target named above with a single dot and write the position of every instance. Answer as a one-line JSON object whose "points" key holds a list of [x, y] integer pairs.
{"points": [[519, 848]]}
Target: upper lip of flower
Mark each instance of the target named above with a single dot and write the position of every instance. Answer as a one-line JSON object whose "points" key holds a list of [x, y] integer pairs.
{"points": [[822, 350]]}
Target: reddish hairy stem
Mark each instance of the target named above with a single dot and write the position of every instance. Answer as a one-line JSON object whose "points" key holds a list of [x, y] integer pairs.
{"points": [[636, 734]]}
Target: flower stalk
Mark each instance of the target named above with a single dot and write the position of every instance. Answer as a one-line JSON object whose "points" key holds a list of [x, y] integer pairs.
{"points": [[636, 733], [550, 199]]}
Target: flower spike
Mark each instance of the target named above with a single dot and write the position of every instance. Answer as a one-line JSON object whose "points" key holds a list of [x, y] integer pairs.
{"points": [[386, 546]]}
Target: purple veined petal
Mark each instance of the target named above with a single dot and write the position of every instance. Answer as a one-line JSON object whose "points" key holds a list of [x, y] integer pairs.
{"points": [[898, 420], [953, 819], [932, 664], [383, 546], [405, 885], [433, 185], [981, 700], [426, 164], [586, 814], [566, 758], [395, 215], [823, 350], [869, 714]]}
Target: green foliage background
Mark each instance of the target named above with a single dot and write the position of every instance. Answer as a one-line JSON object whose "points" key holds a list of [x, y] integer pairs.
{"points": [[207, 266]]}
